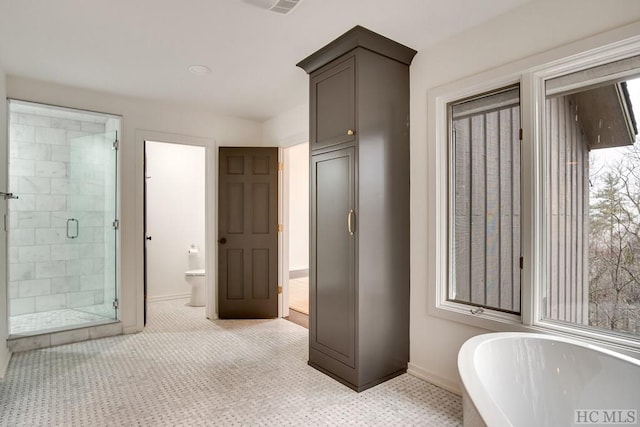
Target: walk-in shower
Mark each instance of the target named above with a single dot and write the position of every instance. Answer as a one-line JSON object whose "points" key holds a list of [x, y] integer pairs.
{"points": [[63, 226]]}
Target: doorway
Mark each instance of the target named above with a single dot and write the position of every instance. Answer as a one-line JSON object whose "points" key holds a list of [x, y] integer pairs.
{"points": [[296, 207], [175, 216]]}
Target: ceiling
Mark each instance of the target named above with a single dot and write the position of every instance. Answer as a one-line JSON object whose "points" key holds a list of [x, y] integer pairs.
{"points": [[143, 48]]}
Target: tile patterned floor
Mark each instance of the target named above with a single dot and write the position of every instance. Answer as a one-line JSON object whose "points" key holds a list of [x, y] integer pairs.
{"points": [[186, 370], [51, 320]]}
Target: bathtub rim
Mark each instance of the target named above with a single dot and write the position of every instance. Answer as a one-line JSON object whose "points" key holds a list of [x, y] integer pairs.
{"points": [[472, 386]]}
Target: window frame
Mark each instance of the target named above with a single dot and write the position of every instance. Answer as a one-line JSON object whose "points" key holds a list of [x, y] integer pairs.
{"points": [[595, 57], [441, 99], [531, 74], [451, 161]]}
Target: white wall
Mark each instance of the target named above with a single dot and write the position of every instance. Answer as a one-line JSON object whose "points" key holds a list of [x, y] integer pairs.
{"points": [[289, 128], [533, 28], [4, 145], [175, 216], [140, 117], [297, 162]]}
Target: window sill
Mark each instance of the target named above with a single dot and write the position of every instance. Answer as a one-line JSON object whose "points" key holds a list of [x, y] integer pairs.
{"points": [[491, 320], [612, 341], [494, 321]]}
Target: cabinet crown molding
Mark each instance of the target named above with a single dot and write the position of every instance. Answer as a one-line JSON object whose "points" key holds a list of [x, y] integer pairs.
{"points": [[356, 37]]}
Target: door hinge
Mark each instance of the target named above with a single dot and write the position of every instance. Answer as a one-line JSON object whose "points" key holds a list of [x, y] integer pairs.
{"points": [[280, 228], [280, 166], [279, 289], [521, 135], [116, 145], [5, 223], [116, 224], [116, 303], [521, 263]]}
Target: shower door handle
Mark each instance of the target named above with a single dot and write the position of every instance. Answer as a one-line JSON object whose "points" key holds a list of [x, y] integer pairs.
{"points": [[8, 196], [70, 234]]}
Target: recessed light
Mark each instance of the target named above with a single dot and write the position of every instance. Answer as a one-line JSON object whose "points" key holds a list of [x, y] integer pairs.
{"points": [[199, 69]]}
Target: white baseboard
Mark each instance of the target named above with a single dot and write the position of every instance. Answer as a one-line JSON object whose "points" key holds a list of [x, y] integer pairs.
{"points": [[435, 379], [5, 357], [131, 330], [296, 274], [169, 297]]}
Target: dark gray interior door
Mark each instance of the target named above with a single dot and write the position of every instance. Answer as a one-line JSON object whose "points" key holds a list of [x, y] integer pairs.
{"points": [[333, 229], [248, 233]]}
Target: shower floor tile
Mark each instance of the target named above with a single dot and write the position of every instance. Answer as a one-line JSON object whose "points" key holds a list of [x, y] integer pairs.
{"points": [[28, 324]]}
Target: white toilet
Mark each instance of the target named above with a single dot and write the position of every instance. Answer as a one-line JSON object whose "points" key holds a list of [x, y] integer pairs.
{"points": [[197, 280]]}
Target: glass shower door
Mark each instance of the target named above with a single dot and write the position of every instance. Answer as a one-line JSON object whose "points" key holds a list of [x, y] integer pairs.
{"points": [[63, 242], [92, 225]]}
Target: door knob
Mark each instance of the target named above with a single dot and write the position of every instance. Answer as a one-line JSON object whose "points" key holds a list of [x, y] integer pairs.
{"points": [[350, 132], [222, 241]]}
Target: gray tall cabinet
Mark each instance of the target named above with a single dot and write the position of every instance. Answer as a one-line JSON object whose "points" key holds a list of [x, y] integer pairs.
{"points": [[359, 266]]}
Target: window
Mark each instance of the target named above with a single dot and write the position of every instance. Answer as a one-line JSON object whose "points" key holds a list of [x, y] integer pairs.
{"points": [[592, 198], [540, 231], [485, 197]]}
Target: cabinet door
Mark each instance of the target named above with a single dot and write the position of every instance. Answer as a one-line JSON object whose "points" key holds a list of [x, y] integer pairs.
{"points": [[332, 322], [332, 107]]}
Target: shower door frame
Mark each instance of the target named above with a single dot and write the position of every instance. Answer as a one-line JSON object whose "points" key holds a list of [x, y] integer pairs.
{"points": [[114, 317]]}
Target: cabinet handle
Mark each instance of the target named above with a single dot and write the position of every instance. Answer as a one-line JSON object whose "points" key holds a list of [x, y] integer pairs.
{"points": [[350, 132], [349, 222]]}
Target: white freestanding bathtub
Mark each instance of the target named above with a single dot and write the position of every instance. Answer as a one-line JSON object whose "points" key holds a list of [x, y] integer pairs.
{"points": [[526, 379]]}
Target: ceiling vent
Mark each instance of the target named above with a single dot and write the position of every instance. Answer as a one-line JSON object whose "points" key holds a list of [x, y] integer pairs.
{"points": [[279, 6], [284, 6]]}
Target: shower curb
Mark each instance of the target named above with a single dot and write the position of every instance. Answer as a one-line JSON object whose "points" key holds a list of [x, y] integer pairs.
{"points": [[52, 339]]}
